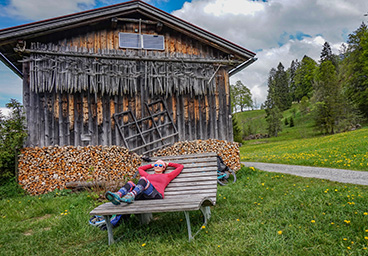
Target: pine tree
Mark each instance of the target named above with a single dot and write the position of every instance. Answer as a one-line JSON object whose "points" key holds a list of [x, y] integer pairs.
{"points": [[327, 97], [273, 118], [291, 121], [278, 89], [283, 98], [236, 130], [273, 114], [292, 74], [355, 68], [327, 55], [304, 77]]}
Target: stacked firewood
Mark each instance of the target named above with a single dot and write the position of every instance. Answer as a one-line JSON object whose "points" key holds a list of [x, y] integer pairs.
{"points": [[43, 170], [229, 151]]}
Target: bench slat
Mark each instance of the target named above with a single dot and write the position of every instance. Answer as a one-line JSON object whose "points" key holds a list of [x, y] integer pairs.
{"points": [[194, 157], [146, 206]]}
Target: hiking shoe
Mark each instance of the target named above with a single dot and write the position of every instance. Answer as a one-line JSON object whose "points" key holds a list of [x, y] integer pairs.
{"points": [[113, 197], [128, 198], [97, 221]]}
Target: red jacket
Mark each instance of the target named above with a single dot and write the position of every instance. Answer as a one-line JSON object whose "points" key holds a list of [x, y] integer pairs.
{"points": [[160, 181]]}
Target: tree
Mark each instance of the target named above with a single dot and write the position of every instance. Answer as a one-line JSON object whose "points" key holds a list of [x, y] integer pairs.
{"points": [[291, 121], [327, 55], [273, 118], [292, 74], [354, 71], [327, 97], [240, 96], [278, 89], [12, 137], [304, 78], [273, 114], [304, 103], [236, 130]]}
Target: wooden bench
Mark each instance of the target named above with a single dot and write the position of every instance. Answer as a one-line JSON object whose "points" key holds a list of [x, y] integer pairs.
{"points": [[195, 188]]}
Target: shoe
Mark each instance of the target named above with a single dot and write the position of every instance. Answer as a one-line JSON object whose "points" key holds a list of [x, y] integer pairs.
{"points": [[128, 198], [113, 197], [97, 221]]}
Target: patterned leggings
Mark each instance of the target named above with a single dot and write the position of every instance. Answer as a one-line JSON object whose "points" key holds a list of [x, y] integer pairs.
{"points": [[143, 189]]}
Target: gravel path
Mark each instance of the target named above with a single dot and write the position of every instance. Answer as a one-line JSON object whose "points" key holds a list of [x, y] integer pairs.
{"points": [[339, 175]]}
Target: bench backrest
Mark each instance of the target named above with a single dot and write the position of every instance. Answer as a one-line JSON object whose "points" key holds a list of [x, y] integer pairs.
{"points": [[198, 178]]}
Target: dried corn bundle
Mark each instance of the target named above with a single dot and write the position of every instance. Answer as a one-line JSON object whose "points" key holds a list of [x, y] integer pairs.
{"points": [[43, 170], [229, 151]]}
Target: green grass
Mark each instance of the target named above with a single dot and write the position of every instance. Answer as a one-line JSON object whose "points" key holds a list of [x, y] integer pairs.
{"points": [[261, 214], [254, 119], [303, 145], [347, 150]]}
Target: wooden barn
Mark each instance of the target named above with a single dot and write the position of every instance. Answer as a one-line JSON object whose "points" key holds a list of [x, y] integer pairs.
{"points": [[127, 74]]}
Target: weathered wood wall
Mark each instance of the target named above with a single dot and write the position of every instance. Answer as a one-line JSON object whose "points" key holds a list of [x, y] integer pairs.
{"points": [[84, 118], [59, 116]]}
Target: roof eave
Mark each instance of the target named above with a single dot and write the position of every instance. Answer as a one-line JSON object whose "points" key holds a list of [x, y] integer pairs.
{"points": [[10, 65]]}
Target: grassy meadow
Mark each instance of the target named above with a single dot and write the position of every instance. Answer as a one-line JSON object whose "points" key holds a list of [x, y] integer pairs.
{"points": [[261, 214], [303, 145], [348, 150]]}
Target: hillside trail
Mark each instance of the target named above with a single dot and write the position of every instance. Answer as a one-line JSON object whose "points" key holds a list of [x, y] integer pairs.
{"points": [[339, 175]]}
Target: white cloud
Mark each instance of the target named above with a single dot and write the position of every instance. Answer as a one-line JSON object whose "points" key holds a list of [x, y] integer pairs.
{"points": [[5, 111], [42, 9], [278, 30], [234, 7]]}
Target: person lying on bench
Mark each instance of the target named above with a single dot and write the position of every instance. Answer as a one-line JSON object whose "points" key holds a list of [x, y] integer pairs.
{"points": [[149, 186]]}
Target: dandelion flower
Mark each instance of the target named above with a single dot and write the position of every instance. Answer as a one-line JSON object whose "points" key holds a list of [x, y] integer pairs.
{"points": [[366, 213], [313, 221], [203, 226], [279, 232], [144, 244]]}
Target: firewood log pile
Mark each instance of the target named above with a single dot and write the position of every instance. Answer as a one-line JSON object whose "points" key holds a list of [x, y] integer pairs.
{"points": [[229, 151], [42, 170]]}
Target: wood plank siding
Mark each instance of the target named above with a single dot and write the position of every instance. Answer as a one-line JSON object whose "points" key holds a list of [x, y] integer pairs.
{"points": [[74, 82]]}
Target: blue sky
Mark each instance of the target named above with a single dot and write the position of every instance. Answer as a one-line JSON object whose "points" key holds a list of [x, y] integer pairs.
{"points": [[277, 30]]}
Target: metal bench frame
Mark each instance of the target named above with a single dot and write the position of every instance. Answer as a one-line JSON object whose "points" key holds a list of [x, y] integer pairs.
{"points": [[195, 188]]}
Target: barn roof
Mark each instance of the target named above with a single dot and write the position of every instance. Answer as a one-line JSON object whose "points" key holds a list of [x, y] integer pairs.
{"points": [[9, 37]]}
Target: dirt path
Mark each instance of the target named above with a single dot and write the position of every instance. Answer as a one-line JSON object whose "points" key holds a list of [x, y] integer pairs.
{"points": [[339, 175]]}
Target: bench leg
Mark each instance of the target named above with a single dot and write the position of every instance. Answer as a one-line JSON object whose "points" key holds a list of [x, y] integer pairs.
{"points": [[206, 211], [145, 218], [188, 226], [109, 229]]}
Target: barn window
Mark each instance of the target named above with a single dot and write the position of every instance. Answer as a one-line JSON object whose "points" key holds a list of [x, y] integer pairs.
{"points": [[137, 41]]}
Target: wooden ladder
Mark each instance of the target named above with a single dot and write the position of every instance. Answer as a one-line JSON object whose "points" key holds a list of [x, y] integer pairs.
{"points": [[148, 137]]}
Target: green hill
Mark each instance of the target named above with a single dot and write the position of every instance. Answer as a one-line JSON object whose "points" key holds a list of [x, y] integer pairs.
{"points": [[302, 144]]}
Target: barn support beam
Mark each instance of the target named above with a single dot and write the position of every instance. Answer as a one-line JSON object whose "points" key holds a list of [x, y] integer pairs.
{"points": [[136, 58]]}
